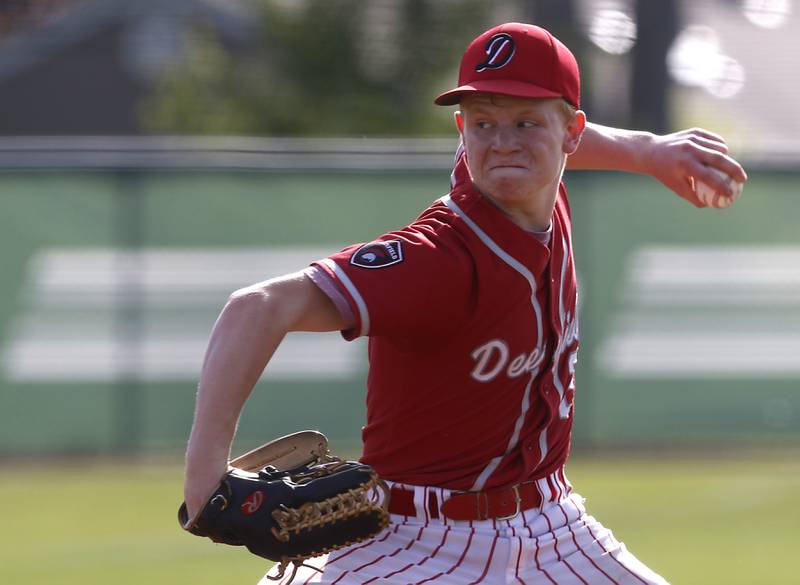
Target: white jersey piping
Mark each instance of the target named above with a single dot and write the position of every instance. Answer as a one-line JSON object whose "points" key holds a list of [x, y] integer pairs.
{"points": [[543, 450], [563, 404], [482, 478], [351, 288], [459, 152]]}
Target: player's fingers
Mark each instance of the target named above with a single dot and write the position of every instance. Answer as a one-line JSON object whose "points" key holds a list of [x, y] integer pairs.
{"points": [[686, 190], [717, 160], [719, 183], [709, 143], [706, 135]]}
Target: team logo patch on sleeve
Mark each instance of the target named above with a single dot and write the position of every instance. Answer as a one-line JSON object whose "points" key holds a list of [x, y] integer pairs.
{"points": [[378, 254]]}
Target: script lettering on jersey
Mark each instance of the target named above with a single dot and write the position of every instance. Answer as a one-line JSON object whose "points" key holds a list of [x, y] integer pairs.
{"points": [[492, 357]]}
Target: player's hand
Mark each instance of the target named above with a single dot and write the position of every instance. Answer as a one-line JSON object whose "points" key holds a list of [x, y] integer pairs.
{"points": [[674, 159]]}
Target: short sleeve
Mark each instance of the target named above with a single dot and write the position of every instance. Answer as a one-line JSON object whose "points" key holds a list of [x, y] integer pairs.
{"points": [[328, 286], [413, 282]]}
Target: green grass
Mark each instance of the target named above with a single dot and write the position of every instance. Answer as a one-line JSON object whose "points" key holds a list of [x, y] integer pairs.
{"points": [[87, 524], [713, 519], [701, 520]]}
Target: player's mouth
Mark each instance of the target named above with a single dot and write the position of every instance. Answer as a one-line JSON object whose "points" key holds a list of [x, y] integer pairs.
{"points": [[504, 167]]}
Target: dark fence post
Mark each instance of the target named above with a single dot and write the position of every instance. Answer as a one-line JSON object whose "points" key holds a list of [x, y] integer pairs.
{"points": [[128, 322], [658, 22]]}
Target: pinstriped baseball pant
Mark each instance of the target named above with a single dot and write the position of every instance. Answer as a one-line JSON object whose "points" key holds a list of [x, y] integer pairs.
{"points": [[559, 544]]}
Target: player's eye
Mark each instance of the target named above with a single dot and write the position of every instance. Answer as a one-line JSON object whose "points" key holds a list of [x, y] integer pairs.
{"points": [[482, 124], [527, 124]]}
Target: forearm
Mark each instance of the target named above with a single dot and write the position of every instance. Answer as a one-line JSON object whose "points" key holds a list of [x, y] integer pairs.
{"points": [[678, 160], [243, 340], [606, 148], [247, 333]]}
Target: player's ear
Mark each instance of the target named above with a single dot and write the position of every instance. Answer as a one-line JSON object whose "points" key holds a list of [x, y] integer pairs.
{"points": [[459, 122], [575, 128]]}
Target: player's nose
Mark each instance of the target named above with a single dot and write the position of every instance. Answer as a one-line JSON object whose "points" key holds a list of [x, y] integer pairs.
{"points": [[505, 139]]}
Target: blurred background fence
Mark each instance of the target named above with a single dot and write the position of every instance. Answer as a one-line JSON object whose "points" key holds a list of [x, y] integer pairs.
{"points": [[118, 254], [155, 156]]}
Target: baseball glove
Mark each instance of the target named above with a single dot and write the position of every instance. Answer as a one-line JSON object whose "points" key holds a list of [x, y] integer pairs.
{"points": [[291, 500]]}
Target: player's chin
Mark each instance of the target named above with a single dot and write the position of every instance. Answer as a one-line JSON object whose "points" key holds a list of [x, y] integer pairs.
{"points": [[511, 188]]}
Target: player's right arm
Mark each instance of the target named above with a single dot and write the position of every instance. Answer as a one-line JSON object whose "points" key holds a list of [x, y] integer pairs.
{"points": [[673, 159], [246, 334]]}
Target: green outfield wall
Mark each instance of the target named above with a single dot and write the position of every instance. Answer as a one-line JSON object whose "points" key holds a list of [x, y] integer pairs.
{"points": [[111, 281]]}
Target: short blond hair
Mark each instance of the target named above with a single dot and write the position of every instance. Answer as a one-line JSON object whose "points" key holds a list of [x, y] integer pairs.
{"points": [[568, 110]]}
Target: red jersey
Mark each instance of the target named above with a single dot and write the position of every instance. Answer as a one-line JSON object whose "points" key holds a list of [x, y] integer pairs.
{"points": [[472, 343]]}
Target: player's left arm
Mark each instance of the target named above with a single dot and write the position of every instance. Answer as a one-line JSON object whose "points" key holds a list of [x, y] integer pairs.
{"points": [[674, 159]]}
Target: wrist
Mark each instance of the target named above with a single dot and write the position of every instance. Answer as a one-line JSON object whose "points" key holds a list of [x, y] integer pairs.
{"points": [[206, 452], [643, 146]]}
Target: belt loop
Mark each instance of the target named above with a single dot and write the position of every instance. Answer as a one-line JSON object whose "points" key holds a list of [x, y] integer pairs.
{"points": [[402, 501], [483, 497], [433, 504]]}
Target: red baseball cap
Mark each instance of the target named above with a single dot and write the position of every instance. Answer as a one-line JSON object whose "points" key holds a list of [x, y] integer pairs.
{"points": [[520, 60]]}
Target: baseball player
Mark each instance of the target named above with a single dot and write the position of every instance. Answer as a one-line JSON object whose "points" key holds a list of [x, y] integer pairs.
{"points": [[471, 314]]}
